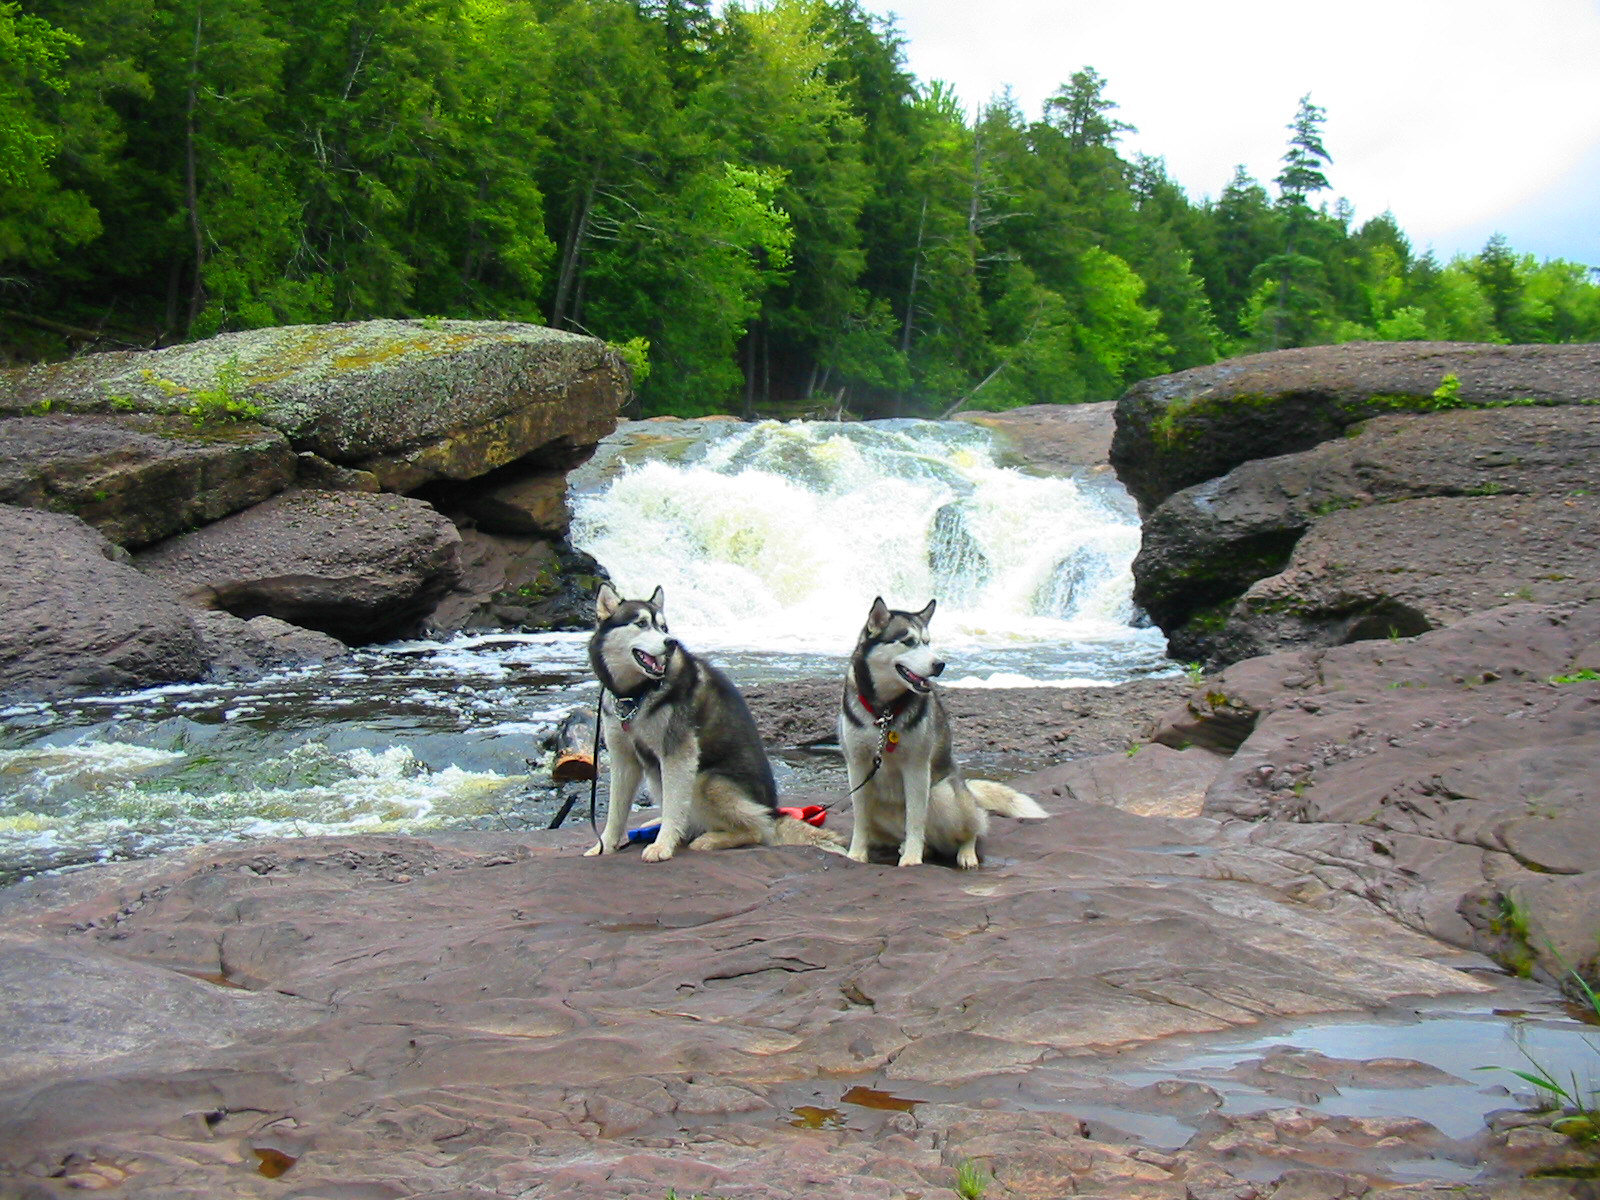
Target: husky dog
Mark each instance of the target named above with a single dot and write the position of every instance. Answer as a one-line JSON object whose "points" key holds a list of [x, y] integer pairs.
{"points": [[677, 721], [908, 791]]}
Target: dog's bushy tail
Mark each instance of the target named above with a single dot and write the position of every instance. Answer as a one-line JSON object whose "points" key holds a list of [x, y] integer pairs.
{"points": [[790, 832], [1004, 801]]}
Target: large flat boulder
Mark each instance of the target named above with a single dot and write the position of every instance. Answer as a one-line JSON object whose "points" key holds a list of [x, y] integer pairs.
{"points": [[488, 1015], [1175, 431], [1414, 520], [77, 617], [1447, 777], [408, 401], [138, 477], [359, 566]]}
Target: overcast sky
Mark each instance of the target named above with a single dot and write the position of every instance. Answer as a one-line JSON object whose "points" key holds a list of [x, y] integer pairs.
{"points": [[1462, 117]]}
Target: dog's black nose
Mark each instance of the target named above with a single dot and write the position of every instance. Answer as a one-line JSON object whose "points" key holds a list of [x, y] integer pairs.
{"points": [[938, 668]]}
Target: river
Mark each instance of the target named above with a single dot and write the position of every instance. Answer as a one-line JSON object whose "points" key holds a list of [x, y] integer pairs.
{"points": [[770, 540]]}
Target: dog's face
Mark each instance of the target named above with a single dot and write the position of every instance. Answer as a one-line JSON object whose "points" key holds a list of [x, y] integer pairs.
{"points": [[631, 637], [897, 650]]}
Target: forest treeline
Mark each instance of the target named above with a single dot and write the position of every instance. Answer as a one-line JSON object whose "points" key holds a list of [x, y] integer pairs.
{"points": [[762, 206]]}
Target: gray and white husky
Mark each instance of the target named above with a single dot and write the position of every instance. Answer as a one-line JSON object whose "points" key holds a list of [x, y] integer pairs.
{"points": [[908, 791], [676, 722]]}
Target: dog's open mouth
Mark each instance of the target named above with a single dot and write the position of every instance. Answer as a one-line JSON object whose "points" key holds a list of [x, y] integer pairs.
{"points": [[650, 664], [918, 682]]}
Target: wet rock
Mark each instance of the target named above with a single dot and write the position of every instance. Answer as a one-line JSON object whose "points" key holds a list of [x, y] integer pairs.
{"points": [[1175, 431], [359, 567], [78, 618], [237, 649], [518, 582], [1058, 438], [1306, 1076], [138, 478]]}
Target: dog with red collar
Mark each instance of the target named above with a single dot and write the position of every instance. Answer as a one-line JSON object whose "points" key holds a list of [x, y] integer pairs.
{"points": [[906, 789]]}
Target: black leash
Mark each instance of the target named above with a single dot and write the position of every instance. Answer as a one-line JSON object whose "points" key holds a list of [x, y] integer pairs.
{"points": [[882, 720], [594, 784]]}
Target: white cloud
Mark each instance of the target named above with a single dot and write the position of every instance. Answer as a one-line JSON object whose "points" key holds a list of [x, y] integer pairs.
{"points": [[1457, 115]]}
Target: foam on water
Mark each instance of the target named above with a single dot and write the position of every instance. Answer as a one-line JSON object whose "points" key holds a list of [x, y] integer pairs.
{"points": [[778, 537]]}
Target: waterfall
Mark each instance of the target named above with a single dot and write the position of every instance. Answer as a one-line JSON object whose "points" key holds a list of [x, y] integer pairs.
{"points": [[777, 536]]}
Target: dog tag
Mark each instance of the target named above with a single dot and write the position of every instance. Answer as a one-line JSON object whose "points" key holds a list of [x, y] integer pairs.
{"points": [[893, 739]]}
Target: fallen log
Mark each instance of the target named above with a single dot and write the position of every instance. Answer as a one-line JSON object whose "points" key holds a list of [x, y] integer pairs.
{"points": [[574, 748]]}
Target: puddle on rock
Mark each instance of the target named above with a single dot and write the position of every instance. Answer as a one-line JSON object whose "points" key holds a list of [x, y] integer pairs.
{"points": [[274, 1163], [810, 1116], [866, 1097], [1447, 1062]]}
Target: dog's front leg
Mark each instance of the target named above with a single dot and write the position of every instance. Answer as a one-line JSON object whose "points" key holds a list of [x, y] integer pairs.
{"points": [[917, 779], [626, 771], [678, 771]]}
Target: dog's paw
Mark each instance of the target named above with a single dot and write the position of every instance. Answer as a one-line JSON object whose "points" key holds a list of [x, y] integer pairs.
{"points": [[911, 860], [656, 852], [597, 848], [855, 855], [967, 858]]}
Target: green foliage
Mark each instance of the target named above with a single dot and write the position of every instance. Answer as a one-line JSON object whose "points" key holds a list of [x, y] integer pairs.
{"points": [[1582, 675], [636, 353], [39, 218], [759, 193], [1578, 1103], [218, 403], [971, 1180]]}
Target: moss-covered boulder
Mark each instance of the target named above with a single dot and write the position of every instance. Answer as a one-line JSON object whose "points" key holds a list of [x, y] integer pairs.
{"points": [[1178, 430], [408, 401]]}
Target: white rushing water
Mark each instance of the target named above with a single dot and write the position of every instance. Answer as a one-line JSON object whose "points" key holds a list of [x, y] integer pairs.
{"points": [[770, 540], [774, 539]]}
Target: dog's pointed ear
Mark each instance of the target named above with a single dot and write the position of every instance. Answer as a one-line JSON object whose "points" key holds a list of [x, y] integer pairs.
{"points": [[606, 602], [878, 617], [658, 600], [926, 614]]}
